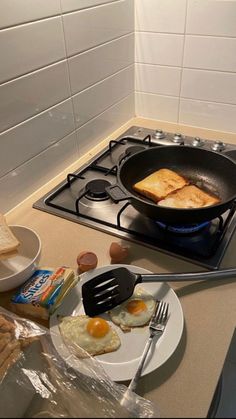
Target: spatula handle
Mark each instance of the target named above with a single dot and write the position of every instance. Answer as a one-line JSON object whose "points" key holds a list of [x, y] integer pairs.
{"points": [[189, 276]]}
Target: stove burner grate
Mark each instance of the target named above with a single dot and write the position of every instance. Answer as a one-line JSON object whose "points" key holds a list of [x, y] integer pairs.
{"points": [[134, 149], [96, 190], [130, 151]]}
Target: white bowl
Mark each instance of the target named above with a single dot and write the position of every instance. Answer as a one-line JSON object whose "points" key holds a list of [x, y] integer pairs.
{"points": [[15, 270]]}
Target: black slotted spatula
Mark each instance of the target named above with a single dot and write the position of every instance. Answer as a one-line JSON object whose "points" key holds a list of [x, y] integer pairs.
{"points": [[113, 287]]}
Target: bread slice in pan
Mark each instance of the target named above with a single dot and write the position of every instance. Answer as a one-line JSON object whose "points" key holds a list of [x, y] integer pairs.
{"points": [[8, 242], [160, 184], [189, 197]]}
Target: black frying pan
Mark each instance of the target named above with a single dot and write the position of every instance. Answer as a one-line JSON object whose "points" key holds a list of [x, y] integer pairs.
{"points": [[211, 171]]}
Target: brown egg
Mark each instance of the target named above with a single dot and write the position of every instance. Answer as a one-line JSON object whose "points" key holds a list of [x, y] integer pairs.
{"points": [[86, 261], [118, 252]]}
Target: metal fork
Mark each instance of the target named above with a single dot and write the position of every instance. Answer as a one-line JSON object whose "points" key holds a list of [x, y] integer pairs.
{"points": [[156, 327]]}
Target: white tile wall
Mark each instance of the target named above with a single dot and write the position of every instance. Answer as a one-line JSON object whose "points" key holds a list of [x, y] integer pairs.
{"points": [[162, 80], [31, 46], [19, 183], [16, 12], [35, 135], [94, 26], [210, 53], [204, 85], [40, 81], [49, 85], [186, 61], [157, 48], [216, 116], [99, 97], [108, 58], [157, 107], [92, 132], [70, 5], [160, 16], [211, 17]]}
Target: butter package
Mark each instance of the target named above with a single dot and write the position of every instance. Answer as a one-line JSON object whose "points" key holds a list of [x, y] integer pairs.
{"points": [[43, 292]]}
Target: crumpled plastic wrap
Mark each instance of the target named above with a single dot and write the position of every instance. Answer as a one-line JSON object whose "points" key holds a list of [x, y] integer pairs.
{"points": [[36, 382]]}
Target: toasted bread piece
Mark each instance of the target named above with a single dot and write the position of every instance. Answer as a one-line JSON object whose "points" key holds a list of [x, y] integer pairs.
{"points": [[189, 197], [160, 184], [8, 242]]}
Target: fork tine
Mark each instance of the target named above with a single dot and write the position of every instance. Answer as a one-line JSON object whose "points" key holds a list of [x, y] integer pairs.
{"points": [[157, 312], [161, 313], [165, 313]]}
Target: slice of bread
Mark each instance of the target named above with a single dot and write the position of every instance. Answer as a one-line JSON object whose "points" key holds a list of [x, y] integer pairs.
{"points": [[8, 242], [189, 197], [160, 184]]}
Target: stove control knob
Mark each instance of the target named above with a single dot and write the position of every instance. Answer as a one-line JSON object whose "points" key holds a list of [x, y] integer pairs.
{"points": [[178, 139], [159, 134], [197, 142], [218, 146]]}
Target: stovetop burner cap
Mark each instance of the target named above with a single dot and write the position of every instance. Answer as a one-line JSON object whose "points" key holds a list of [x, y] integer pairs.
{"points": [[96, 189]]}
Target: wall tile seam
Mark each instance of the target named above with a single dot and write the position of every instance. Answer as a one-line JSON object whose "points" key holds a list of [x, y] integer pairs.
{"points": [[213, 70], [110, 41], [160, 33], [70, 97], [25, 75], [34, 117], [59, 14], [104, 79], [157, 65], [74, 131], [202, 69], [105, 110], [30, 22], [183, 55], [201, 35], [156, 94], [66, 58], [187, 98], [185, 34], [69, 76], [33, 71], [213, 102], [99, 45], [38, 154], [70, 12]]}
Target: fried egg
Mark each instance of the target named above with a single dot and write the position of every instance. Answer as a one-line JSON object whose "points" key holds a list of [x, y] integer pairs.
{"points": [[93, 335], [134, 312]]}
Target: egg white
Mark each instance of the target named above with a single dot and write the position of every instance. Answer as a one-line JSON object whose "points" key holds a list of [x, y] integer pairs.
{"points": [[74, 333], [120, 316]]}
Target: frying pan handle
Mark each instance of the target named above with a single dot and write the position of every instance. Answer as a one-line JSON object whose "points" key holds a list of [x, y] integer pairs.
{"points": [[190, 276], [117, 194]]}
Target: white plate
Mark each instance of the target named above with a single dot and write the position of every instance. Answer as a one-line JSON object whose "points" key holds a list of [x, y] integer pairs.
{"points": [[121, 364]]}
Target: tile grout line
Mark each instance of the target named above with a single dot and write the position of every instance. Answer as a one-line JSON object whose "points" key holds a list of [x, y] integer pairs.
{"points": [[181, 72], [69, 79]]}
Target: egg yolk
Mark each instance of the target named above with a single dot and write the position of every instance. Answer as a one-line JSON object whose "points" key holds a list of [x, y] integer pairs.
{"points": [[136, 307], [97, 327]]}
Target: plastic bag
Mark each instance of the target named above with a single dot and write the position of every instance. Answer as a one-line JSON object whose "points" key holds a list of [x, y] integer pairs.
{"points": [[36, 382]]}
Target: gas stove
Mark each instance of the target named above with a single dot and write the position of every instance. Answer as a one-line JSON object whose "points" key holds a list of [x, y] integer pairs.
{"points": [[82, 198]]}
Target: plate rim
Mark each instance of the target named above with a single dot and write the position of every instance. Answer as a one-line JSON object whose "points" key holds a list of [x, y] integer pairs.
{"points": [[53, 325]]}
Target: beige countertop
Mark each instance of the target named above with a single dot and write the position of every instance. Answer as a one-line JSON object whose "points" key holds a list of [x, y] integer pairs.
{"points": [[185, 384]]}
